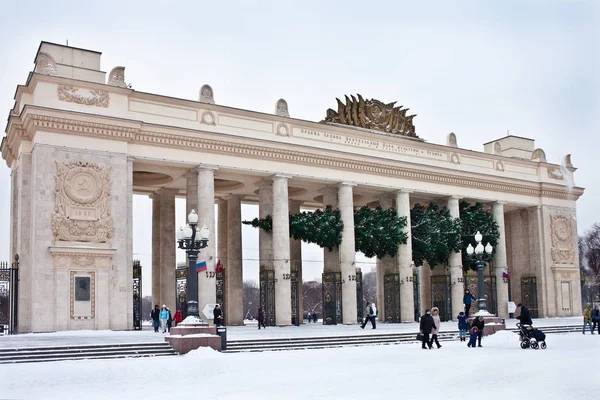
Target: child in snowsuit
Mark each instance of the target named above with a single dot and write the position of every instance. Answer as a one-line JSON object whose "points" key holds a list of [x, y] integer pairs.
{"points": [[473, 337], [462, 326]]}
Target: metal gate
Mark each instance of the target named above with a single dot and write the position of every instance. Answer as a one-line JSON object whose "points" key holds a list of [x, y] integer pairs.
{"points": [[181, 275], [489, 287], [359, 296], [529, 295], [9, 294], [441, 296], [416, 295], [295, 286], [267, 295], [137, 295], [220, 286], [391, 293], [332, 298]]}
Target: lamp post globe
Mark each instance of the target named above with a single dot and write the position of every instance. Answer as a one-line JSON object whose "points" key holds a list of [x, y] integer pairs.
{"points": [[481, 254]]}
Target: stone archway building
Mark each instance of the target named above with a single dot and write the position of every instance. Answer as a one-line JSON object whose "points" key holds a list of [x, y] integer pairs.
{"points": [[80, 143]]}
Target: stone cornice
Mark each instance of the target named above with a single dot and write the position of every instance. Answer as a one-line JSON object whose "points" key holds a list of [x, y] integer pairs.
{"points": [[28, 123]]}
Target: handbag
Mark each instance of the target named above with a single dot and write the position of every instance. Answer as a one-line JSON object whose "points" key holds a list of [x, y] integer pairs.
{"points": [[420, 337]]}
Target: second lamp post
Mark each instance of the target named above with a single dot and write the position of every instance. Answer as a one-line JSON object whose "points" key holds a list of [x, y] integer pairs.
{"points": [[481, 255], [186, 238]]}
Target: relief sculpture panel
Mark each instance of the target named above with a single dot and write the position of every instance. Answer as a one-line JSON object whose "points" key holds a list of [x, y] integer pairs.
{"points": [[82, 210], [562, 240]]}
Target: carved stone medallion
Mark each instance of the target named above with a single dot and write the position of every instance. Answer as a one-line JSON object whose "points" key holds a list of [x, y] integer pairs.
{"points": [[82, 211], [98, 98], [562, 240]]}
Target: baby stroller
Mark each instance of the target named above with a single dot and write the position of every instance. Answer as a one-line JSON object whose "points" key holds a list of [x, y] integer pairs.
{"points": [[531, 338]]}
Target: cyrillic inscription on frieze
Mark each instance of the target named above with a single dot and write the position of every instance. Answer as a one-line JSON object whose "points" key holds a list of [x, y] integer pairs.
{"points": [[82, 210]]}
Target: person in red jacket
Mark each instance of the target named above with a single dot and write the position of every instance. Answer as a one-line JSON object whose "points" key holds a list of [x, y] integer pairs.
{"points": [[178, 317]]}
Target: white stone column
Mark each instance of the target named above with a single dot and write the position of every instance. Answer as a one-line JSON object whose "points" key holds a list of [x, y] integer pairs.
{"points": [[281, 251], [425, 287], [456, 268], [384, 266], [331, 259], [265, 239], [168, 245], [234, 280], [404, 260], [296, 257], [155, 249], [206, 217], [347, 254], [191, 193], [500, 262]]}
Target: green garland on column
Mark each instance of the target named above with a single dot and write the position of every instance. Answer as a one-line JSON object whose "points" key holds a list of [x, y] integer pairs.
{"points": [[378, 232], [475, 218], [435, 234]]}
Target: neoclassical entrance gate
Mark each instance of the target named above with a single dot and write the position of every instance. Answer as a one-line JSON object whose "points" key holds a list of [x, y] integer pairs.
{"points": [[529, 295], [137, 295], [9, 293], [441, 295], [332, 298], [391, 292], [267, 295]]}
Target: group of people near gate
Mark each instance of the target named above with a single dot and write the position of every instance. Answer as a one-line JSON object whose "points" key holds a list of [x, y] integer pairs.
{"points": [[591, 319], [162, 318]]}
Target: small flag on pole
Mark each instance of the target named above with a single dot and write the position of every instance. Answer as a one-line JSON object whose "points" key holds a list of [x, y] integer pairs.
{"points": [[218, 267], [505, 275], [201, 266]]}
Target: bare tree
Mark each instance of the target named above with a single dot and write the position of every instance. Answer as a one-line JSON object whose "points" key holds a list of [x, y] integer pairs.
{"points": [[592, 249], [251, 299], [313, 297], [369, 287], [146, 307]]}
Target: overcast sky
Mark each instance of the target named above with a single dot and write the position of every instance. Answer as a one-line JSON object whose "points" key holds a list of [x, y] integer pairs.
{"points": [[477, 69]]}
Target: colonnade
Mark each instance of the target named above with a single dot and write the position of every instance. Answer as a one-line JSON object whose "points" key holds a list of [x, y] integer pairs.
{"points": [[278, 252]]}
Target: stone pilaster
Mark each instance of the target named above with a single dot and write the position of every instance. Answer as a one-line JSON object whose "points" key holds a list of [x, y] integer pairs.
{"points": [[265, 207], [404, 260], [425, 287], [23, 240], [206, 217], [296, 256], [331, 259], [455, 265], [156, 200], [382, 267], [347, 254], [168, 245], [500, 262], [129, 239], [234, 280], [281, 251], [222, 232]]}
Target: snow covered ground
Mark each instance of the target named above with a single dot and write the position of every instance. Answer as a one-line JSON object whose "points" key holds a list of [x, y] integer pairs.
{"points": [[499, 370], [248, 332]]}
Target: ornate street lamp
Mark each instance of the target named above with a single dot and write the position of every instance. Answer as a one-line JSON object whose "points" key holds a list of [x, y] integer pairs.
{"points": [[186, 239], [481, 255]]}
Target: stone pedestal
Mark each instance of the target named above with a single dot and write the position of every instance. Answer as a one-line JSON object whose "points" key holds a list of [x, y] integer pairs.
{"points": [[492, 325], [188, 337]]}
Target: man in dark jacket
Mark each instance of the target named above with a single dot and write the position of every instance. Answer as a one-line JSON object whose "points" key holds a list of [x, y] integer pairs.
{"points": [[479, 323], [218, 315], [467, 299], [425, 327], [524, 317], [155, 315]]}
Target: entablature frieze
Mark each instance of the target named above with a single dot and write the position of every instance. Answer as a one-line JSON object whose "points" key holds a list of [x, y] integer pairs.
{"points": [[135, 132]]}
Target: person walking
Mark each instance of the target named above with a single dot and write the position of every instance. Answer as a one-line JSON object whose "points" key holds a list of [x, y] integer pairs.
{"points": [[178, 317], [164, 316], [309, 316], [218, 315], [261, 318], [587, 318], [524, 316], [155, 315], [169, 320], [473, 337], [435, 314], [479, 323], [315, 317], [425, 327], [371, 313], [595, 319], [462, 326], [467, 300]]}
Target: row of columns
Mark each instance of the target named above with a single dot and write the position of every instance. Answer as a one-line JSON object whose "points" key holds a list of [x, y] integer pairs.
{"points": [[277, 251]]}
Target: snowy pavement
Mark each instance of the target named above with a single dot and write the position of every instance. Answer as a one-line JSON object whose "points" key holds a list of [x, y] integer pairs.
{"points": [[248, 332], [499, 370]]}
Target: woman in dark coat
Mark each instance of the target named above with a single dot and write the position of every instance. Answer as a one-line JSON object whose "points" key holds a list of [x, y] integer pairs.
{"points": [[218, 316], [261, 318], [479, 323], [426, 327]]}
